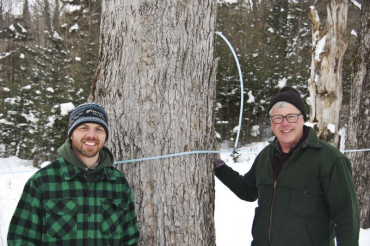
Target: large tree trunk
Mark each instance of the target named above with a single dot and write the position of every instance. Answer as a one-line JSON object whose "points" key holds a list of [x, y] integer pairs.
{"points": [[325, 83], [358, 125], [156, 77]]}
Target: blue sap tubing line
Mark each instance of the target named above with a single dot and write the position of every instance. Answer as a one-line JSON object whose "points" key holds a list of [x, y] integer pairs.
{"points": [[241, 88], [180, 154]]}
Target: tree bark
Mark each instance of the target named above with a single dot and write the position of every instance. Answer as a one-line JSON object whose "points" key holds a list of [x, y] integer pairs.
{"points": [[325, 83], [156, 78], [358, 125]]}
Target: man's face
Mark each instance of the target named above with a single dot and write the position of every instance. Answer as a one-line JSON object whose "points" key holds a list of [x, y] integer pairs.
{"points": [[287, 133], [87, 140]]}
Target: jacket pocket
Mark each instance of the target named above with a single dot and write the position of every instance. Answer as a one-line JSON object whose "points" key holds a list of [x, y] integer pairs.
{"points": [[304, 203], [113, 215], [61, 217]]}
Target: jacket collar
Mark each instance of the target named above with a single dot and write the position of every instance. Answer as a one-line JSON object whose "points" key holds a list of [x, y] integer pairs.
{"points": [[311, 141]]}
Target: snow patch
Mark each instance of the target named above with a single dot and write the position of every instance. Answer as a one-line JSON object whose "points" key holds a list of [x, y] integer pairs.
{"points": [[320, 48], [65, 108], [331, 127], [251, 98]]}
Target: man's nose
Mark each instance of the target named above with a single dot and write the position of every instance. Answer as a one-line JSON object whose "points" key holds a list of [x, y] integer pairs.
{"points": [[91, 132], [285, 121]]}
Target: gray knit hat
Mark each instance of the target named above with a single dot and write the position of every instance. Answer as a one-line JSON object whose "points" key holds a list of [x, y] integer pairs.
{"points": [[290, 95], [88, 113]]}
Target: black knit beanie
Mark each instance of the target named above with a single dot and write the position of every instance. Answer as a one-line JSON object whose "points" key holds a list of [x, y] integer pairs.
{"points": [[88, 113], [290, 95]]}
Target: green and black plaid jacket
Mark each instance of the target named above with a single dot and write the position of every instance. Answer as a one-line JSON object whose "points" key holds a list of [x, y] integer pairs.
{"points": [[63, 204]]}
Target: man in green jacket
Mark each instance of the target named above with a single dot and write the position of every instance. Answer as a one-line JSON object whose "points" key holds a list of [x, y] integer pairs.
{"points": [[304, 186], [79, 199]]}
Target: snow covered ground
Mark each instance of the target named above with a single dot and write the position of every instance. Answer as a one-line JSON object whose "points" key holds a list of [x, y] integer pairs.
{"points": [[233, 217]]}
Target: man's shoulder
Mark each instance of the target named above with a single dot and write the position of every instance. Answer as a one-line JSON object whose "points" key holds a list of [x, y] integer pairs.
{"points": [[324, 147], [50, 168], [330, 150], [41, 176]]}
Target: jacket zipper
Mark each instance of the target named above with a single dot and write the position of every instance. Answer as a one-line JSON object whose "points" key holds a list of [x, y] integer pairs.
{"points": [[272, 205], [273, 195]]}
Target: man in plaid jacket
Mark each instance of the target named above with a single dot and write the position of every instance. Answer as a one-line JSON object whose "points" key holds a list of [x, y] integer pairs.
{"points": [[79, 199]]}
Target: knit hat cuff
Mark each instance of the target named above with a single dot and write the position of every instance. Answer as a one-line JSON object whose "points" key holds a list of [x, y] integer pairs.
{"points": [[88, 113]]}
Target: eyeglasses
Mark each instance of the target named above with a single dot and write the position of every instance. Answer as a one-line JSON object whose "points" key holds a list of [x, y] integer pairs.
{"points": [[291, 118]]}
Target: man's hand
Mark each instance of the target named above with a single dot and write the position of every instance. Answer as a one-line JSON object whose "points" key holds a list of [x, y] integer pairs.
{"points": [[217, 162]]}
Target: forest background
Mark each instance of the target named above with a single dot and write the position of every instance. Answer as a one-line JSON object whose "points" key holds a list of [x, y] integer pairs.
{"points": [[49, 50], [48, 62]]}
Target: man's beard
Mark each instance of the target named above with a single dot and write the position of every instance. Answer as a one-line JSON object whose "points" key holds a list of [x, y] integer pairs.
{"points": [[89, 153]]}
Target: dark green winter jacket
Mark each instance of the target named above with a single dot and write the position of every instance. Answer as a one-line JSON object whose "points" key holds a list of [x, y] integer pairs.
{"points": [[67, 204], [311, 202]]}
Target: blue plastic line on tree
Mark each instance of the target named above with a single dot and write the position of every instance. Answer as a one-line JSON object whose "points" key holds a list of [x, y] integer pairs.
{"points": [[177, 154], [241, 89]]}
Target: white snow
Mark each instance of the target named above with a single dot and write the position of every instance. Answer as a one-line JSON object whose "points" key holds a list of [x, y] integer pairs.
{"points": [[282, 82], [317, 19], [357, 4], [74, 28], [51, 121], [12, 28], [13, 175], [30, 117], [72, 8], [320, 48], [331, 127], [49, 89], [251, 98], [255, 131], [27, 88], [233, 217], [65, 108], [57, 36]]}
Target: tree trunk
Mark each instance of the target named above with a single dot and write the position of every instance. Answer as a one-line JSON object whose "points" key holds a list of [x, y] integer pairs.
{"points": [[47, 16], [358, 125], [325, 83], [156, 78]]}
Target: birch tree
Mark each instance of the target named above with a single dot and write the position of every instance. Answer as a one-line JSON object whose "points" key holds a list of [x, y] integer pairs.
{"points": [[156, 78], [358, 125], [325, 83]]}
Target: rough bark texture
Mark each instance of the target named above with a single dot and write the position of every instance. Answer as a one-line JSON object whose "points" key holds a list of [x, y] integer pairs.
{"points": [[325, 83], [358, 125], [156, 77]]}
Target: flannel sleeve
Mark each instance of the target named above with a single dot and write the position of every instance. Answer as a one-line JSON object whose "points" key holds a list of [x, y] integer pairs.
{"points": [[25, 225]]}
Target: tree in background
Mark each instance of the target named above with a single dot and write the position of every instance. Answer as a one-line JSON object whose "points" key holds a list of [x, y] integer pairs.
{"points": [[17, 109], [48, 58], [358, 125], [156, 78], [325, 83]]}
